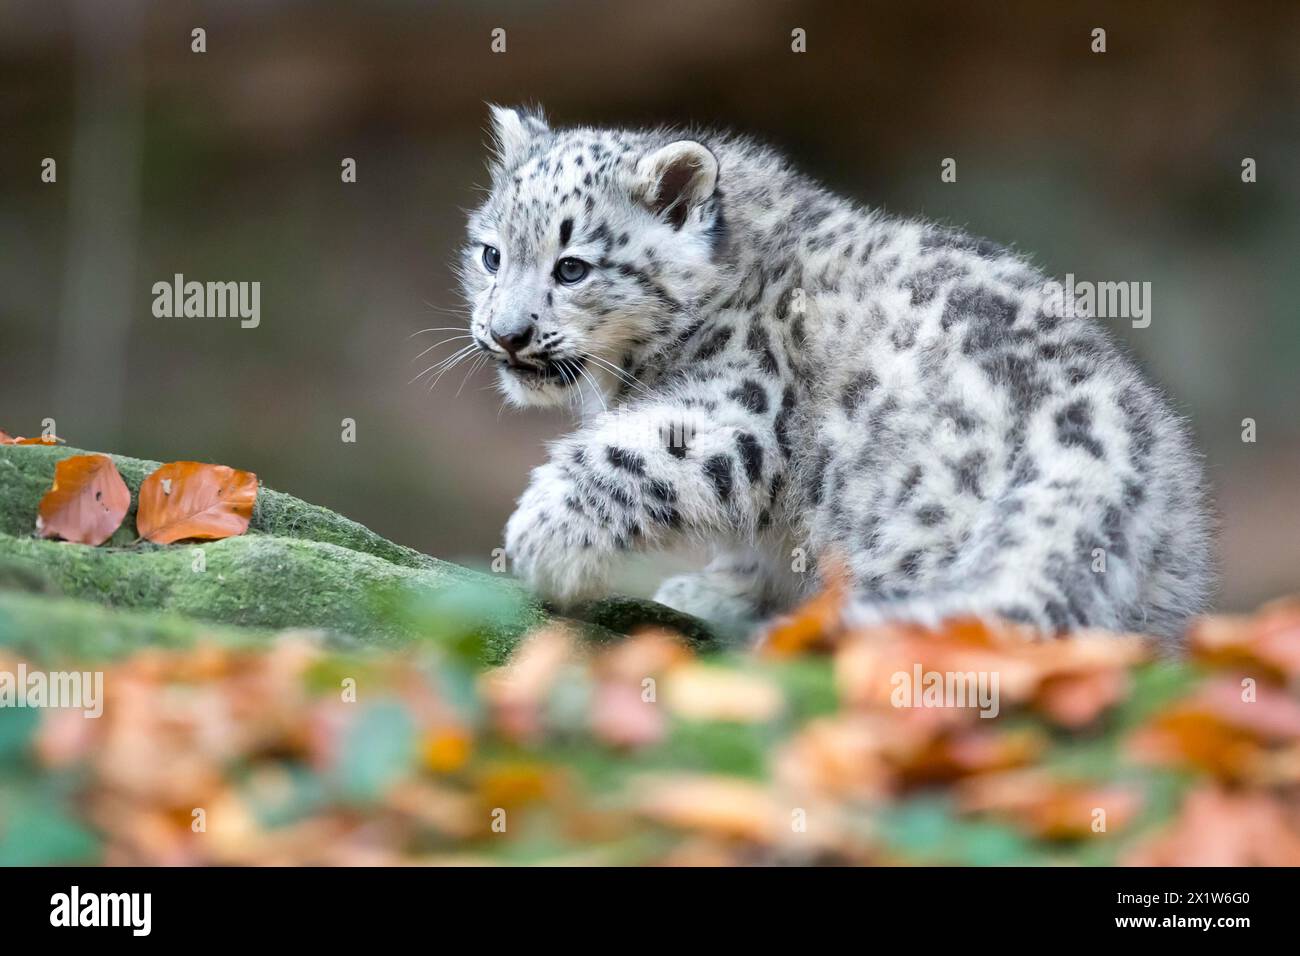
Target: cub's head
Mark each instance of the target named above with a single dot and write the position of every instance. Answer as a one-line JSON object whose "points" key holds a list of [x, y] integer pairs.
{"points": [[588, 253]]}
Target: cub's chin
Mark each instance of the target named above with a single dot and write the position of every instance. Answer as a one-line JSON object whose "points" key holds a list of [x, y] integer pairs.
{"points": [[540, 386]]}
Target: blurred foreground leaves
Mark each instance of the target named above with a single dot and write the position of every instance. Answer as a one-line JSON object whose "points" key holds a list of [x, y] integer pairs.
{"points": [[643, 751]]}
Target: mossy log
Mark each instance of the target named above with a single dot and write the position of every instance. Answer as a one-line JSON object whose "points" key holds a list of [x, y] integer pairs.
{"points": [[298, 566]]}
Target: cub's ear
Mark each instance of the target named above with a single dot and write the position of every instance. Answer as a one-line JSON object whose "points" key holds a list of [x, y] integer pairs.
{"points": [[674, 180], [512, 130]]}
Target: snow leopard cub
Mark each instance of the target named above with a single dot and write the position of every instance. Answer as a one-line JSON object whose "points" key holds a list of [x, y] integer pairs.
{"points": [[798, 382]]}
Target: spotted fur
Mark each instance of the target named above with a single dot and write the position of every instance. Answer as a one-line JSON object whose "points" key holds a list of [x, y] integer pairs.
{"points": [[801, 383]]}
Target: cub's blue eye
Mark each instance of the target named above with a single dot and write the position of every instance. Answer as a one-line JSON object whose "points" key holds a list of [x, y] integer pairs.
{"points": [[491, 258], [569, 270]]}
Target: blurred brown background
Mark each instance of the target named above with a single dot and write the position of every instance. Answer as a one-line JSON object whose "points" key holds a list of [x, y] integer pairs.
{"points": [[225, 165]]}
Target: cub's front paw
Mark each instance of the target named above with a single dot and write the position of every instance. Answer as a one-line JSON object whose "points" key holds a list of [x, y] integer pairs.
{"points": [[552, 551], [727, 601]]}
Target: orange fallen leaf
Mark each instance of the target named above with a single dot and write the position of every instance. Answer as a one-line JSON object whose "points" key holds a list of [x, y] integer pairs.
{"points": [[950, 755], [725, 806], [813, 624], [86, 503], [646, 654], [446, 810], [447, 749], [517, 691], [1221, 828], [704, 692], [840, 756], [1053, 809], [1070, 681], [1220, 730], [514, 784], [1200, 740], [1076, 700], [6, 439], [621, 717], [188, 499], [1268, 640]]}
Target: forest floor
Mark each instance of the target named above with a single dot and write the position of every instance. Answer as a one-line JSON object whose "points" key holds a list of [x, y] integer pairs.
{"points": [[308, 692]]}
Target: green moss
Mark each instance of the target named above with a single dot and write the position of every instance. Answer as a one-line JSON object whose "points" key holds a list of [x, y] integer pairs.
{"points": [[624, 615], [26, 472], [53, 631], [298, 566], [249, 581]]}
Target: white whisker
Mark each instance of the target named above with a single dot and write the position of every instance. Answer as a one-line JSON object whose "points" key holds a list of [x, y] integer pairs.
{"points": [[575, 397], [454, 338], [474, 367], [439, 328], [461, 357], [459, 310], [625, 376], [437, 365], [595, 387]]}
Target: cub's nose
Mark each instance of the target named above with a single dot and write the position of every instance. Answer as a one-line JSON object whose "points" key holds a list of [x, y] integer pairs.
{"points": [[515, 339]]}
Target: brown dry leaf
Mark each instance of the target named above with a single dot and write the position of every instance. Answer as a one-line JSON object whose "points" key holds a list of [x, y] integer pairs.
{"points": [[1278, 768], [1046, 807], [704, 692], [86, 503], [1268, 640], [813, 624], [1198, 739], [886, 667], [621, 717], [1218, 828], [445, 810], [702, 852], [1217, 731], [65, 735], [1273, 715], [923, 758], [726, 806], [647, 654], [840, 756], [1076, 700], [514, 784], [6, 439], [446, 749], [188, 499], [980, 632], [1070, 681], [517, 691]]}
